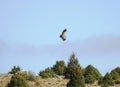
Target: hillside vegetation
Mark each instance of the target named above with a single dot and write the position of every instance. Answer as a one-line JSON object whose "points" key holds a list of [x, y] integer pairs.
{"points": [[61, 75], [49, 82]]}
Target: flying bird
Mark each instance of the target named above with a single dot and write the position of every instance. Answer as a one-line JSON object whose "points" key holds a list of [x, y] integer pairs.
{"points": [[63, 35]]}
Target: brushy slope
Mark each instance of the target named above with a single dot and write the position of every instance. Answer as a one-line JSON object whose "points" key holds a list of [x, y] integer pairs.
{"points": [[49, 82]]}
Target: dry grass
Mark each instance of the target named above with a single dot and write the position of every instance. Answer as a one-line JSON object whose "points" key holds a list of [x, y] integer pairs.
{"points": [[4, 79], [50, 82]]}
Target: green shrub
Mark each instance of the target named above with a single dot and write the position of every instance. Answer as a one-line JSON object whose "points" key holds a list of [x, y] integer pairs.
{"points": [[117, 81], [37, 83], [47, 73], [28, 75], [17, 81], [59, 68], [105, 85]]}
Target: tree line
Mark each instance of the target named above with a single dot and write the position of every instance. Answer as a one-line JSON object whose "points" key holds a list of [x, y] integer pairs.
{"points": [[73, 71]]}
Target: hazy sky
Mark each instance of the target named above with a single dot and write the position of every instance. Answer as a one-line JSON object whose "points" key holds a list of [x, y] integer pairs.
{"points": [[30, 30]]}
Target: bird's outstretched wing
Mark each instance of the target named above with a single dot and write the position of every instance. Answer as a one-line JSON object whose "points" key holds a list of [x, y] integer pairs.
{"points": [[63, 35]]}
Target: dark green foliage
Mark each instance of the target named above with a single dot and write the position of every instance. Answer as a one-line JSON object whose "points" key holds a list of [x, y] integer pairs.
{"points": [[72, 62], [47, 73], [74, 72], [91, 74], [106, 80], [89, 79], [17, 81], [115, 73], [15, 70], [76, 78], [117, 70], [59, 68]]}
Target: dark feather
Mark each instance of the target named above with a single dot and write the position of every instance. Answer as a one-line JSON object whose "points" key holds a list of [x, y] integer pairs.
{"points": [[63, 35]]}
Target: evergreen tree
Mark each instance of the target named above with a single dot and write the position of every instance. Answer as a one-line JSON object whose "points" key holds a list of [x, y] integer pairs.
{"points": [[117, 70], [91, 74], [72, 62], [106, 80], [74, 72], [115, 73], [15, 70], [59, 68], [89, 78]]}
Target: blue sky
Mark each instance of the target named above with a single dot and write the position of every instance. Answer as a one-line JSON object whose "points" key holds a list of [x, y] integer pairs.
{"points": [[29, 33]]}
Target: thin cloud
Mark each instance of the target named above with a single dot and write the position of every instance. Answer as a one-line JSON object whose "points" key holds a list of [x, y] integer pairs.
{"points": [[93, 46], [3, 47]]}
